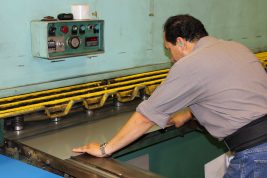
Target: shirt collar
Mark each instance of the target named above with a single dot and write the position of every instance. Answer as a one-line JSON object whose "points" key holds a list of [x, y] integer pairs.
{"points": [[204, 42]]}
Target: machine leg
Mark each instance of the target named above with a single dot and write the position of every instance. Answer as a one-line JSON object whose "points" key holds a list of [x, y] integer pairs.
{"points": [[18, 123]]}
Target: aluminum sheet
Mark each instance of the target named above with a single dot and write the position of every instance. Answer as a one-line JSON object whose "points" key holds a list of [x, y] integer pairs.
{"points": [[61, 142]]}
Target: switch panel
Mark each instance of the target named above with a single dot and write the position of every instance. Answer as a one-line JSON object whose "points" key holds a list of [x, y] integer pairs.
{"points": [[67, 38]]}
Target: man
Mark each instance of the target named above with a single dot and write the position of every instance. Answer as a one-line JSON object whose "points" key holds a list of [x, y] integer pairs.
{"points": [[224, 86]]}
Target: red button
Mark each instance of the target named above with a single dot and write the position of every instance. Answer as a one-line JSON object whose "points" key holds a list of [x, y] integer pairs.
{"points": [[64, 29]]}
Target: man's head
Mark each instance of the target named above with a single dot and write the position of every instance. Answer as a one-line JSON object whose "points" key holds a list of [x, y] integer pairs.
{"points": [[181, 33]]}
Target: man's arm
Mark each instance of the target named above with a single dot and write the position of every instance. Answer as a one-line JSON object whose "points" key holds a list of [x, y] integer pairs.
{"points": [[135, 127]]}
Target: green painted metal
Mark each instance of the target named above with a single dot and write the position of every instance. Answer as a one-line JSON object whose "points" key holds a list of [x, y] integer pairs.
{"points": [[183, 157], [240, 20], [81, 79], [133, 37]]}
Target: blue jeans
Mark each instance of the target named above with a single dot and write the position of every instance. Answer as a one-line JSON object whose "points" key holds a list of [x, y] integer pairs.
{"points": [[249, 163]]}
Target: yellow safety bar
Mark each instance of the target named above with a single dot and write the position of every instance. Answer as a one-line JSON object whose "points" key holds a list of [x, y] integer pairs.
{"points": [[59, 102]]}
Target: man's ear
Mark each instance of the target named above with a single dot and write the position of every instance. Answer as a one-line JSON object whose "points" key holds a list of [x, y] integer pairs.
{"points": [[179, 41]]}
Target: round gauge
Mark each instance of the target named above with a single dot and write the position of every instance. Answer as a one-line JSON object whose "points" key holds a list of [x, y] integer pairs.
{"points": [[74, 42]]}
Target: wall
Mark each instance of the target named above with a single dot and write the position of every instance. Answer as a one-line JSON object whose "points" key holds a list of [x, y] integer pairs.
{"points": [[133, 38]]}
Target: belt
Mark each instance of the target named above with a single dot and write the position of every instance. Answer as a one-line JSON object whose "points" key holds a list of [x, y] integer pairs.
{"points": [[248, 136]]}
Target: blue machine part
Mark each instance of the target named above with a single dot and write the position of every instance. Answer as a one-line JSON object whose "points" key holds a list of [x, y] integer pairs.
{"points": [[15, 169]]}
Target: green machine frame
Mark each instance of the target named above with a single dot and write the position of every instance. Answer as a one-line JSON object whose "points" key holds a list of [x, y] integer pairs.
{"points": [[180, 157]]}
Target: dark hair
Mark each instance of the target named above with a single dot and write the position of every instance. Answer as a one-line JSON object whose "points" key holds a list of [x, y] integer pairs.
{"points": [[185, 26]]}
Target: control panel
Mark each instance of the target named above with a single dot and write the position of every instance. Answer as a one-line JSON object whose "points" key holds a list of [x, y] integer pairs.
{"points": [[67, 38]]}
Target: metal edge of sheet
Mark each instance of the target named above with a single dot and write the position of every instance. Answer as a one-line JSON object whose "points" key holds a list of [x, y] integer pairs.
{"points": [[114, 167], [79, 167]]}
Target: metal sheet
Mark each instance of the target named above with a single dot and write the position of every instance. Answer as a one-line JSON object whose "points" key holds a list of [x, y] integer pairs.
{"points": [[60, 143]]}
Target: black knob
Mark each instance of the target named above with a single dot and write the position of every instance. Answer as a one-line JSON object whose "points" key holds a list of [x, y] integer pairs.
{"points": [[74, 30], [82, 29], [52, 31]]}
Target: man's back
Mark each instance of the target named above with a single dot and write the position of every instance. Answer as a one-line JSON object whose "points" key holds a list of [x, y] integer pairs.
{"points": [[232, 85]]}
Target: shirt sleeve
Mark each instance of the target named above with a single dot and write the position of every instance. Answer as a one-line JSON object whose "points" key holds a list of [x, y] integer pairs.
{"points": [[179, 90]]}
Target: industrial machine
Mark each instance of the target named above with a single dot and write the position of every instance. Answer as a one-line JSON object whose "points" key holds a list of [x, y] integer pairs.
{"points": [[42, 127], [68, 82]]}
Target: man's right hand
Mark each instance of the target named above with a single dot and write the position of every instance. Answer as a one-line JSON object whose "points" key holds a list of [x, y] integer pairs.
{"points": [[179, 118]]}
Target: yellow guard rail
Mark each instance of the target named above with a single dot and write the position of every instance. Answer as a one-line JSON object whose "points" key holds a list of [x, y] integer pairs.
{"points": [[58, 102]]}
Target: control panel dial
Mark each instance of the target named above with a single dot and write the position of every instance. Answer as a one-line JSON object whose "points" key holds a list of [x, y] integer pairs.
{"points": [[52, 30], [82, 29], [74, 29], [74, 42]]}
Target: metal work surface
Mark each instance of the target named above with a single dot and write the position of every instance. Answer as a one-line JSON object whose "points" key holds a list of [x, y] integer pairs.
{"points": [[61, 142]]}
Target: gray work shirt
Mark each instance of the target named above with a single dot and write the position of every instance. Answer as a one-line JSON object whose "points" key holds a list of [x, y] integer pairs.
{"points": [[222, 82]]}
